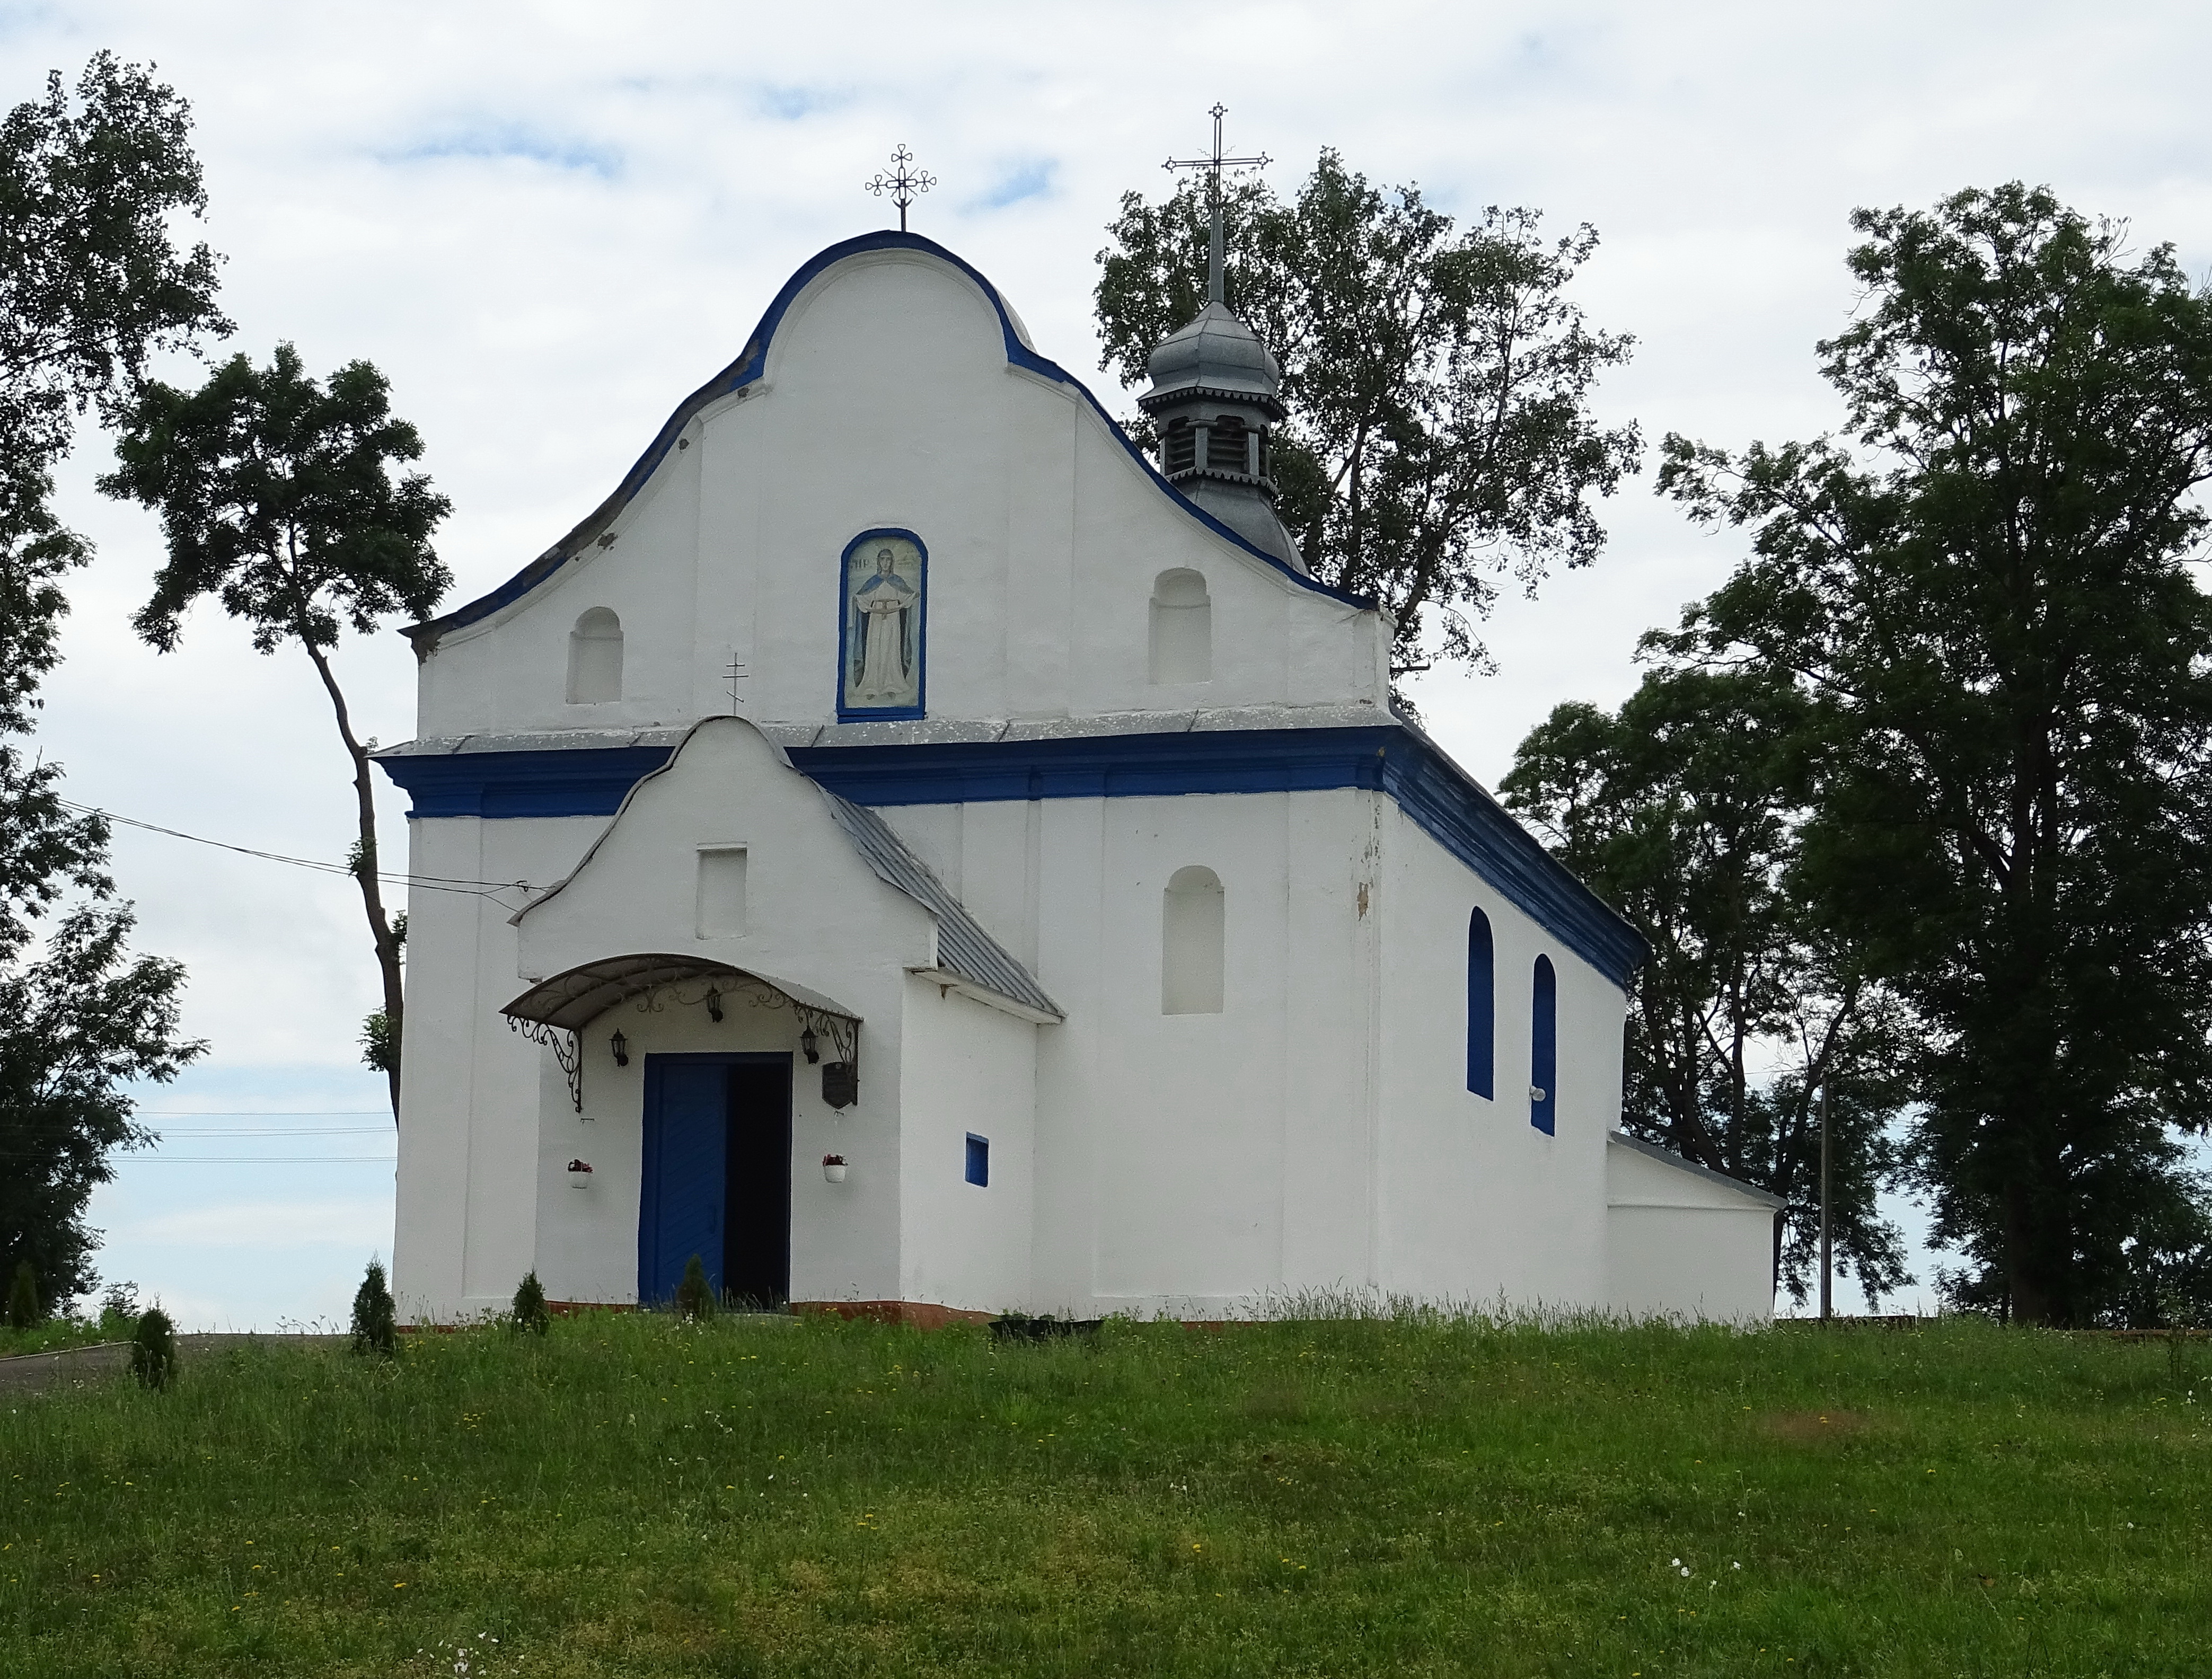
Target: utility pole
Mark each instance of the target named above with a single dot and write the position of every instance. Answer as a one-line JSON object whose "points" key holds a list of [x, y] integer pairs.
{"points": [[1827, 1306]]}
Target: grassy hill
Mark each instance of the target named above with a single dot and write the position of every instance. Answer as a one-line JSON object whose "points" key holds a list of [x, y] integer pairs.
{"points": [[633, 1495]]}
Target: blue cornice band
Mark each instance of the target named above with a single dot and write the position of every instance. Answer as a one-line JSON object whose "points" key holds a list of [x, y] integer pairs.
{"points": [[590, 782], [1279, 760], [1432, 790]]}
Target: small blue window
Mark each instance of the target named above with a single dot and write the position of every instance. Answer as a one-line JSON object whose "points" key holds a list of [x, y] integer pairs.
{"points": [[1481, 1007], [1544, 1049], [979, 1160]]}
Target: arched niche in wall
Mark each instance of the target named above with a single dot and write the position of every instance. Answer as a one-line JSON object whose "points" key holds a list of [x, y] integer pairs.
{"points": [[595, 659], [1182, 628], [1481, 1007], [1194, 923], [1544, 1048]]}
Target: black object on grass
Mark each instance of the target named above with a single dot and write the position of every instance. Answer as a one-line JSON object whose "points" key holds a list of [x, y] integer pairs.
{"points": [[154, 1349]]}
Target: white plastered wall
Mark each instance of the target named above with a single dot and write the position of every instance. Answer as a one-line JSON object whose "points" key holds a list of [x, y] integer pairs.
{"points": [[966, 1068], [888, 402], [471, 1103], [1479, 1205], [1187, 1164], [816, 915], [1682, 1246]]}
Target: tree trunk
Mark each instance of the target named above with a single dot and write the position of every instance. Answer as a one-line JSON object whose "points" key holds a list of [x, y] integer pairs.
{"points": [[2038, 1253], [365, 872]]}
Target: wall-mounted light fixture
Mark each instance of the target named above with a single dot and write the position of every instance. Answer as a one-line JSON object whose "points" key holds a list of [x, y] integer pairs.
{"points": [[620, 1045], [810, 1045], [714, 1005]]}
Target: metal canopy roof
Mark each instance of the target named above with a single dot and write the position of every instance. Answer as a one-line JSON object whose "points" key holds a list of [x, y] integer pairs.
{"points": [[963, 947], [574, 999]]}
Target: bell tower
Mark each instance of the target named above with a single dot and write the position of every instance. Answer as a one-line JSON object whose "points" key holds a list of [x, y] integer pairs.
{"points": [[1216, 397]]}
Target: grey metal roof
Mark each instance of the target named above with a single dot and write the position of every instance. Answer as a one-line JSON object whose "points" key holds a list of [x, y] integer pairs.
{"points": [[1214, 352], [963, 947], [1668, 1157]]}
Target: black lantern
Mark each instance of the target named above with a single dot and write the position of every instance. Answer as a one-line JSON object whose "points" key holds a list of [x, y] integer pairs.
{"points": [[714, 1005], [810, 1045], [620, 1045]]}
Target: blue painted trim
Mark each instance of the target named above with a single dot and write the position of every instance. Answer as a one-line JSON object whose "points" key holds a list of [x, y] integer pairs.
{"points": [[650, 1142], [1481, 1008], [1440, 798], [1273, 761], [1544, 1047], [589, 783], [751, 363], [1446, 802], [883, 714]]}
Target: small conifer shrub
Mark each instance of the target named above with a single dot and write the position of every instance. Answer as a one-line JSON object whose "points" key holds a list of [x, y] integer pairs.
{"points": [[23, 1310], [695, 1295], [154, 1349], [530, 1315], [375, 1317]]}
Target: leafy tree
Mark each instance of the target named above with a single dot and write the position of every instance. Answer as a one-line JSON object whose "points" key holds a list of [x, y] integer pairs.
{"points": [[1682, 810], [90, 286], [1439, 435], [2009, 665], [25, 1309], [81, 1018], [277, 497], [375, 1314], [92, 283], [78, 1024]]}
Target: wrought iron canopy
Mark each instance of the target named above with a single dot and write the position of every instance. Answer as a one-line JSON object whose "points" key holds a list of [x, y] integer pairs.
{"points": [[572, 1000], [554, 1012]]}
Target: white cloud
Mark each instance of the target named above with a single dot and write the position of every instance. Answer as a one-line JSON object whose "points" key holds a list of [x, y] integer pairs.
{"points": [[362, 1222]]}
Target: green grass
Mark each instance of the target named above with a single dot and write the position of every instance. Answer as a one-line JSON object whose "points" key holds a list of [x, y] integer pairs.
{"points": [[631, 1497], [58, 1334]]}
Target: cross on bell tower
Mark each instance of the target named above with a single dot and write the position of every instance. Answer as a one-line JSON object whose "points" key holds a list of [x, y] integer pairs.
{"points": [[1213, 166], [1217, 397]]}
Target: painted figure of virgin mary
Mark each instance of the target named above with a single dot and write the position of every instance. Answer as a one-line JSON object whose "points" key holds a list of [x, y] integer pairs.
{"points": [[881, 638]]}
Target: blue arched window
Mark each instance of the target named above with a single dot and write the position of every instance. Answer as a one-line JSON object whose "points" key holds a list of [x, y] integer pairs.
{"points": [[1544, 1048], [1481, 1007]]}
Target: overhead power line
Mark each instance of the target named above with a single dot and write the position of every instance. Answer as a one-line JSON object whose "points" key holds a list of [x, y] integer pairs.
{"points": [[272, 1159], [428, 882], [274, 1130], [158, 1159]]}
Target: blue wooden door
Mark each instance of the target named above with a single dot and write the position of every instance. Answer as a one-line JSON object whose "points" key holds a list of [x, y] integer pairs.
{"points": [[680, 1206]]}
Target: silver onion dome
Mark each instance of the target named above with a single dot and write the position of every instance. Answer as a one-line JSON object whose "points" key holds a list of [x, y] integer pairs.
{"points": [[1215, 351]]}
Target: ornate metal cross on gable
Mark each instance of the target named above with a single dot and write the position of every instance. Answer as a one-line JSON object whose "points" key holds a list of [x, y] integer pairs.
{"points": [[1213, 166], [903, 187]]}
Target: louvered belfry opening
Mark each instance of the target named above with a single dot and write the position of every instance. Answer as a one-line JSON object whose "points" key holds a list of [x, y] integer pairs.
{"points": [[1225, 448], [1182, 452]]}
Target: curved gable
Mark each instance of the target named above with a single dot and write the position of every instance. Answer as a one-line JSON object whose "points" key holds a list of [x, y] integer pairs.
{"points": [[751, 366]]}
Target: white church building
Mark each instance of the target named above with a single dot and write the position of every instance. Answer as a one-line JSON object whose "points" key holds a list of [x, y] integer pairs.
{"points": [[967, 866]]}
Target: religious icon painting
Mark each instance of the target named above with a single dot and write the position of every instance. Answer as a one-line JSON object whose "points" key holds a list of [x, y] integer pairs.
{"points": [[880, 643]]}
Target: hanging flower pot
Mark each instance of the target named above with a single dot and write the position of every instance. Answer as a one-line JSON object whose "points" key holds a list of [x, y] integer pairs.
{"points": [[580, 1174], [833, 1167]]}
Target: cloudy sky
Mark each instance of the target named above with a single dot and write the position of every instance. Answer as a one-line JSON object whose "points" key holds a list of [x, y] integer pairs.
{"points": [[547, 223]]}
